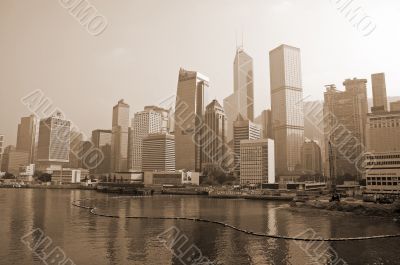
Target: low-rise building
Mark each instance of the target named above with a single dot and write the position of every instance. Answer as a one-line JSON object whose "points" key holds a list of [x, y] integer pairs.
{"points": [[128, 177], [382, 172], [257, 161], [175, 178], [68, 175]]}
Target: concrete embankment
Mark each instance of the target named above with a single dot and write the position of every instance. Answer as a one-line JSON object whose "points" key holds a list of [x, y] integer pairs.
{"points": [[356, 207]]}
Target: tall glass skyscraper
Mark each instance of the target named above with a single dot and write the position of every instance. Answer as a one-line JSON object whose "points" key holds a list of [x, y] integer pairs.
{"points": [[286, 106], [188, 119], [242, 100]]}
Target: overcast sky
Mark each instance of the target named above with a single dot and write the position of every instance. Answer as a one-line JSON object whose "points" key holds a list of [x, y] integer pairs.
{"points": [[138, 56]]}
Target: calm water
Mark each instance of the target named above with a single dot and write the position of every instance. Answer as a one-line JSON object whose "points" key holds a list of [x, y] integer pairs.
{"points": [[87, 239]]}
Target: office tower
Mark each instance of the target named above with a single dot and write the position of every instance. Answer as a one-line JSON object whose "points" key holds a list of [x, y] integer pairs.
{"points": [[243, 130], [395, 106], [379, 92], [311, 160], [1, 148], [188, 119], [158, 152], [257, 161], [120, 137], [382, 171], [101, 139], [26, 136], [143, 124], [265, 121], [214, 137], [242, 99], [286, 106], [14, 160], [383, 132], [54, 141], [165, 125], [345, 114]]}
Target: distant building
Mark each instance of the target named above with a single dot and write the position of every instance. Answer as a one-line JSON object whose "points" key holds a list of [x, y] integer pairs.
{"points": [[395, 106], [345, 115], [1, 148], [243, 130], [383, 132], [158, 152], [26, 136], [188, 119], [257, 161], [286, 106], [214, 137], [379, 93], [68, 175], [382, 171], [242, 100], [101, 139], [14, 159], [311, 157], [54, 141], [176, 178], [144, 123], [76, 147], [120, 137], [265, 121]]}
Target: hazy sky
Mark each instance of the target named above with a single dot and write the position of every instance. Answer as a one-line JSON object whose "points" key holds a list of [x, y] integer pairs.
{"points": [[139, 55]]}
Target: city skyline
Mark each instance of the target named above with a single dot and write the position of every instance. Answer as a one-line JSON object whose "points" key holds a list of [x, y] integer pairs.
{"points": [[123, 59]]}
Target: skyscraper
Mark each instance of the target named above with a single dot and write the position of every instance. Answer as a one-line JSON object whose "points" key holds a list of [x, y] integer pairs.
{"points": [[54, 141], [214, 136], [143, 124], [242, 99], [101, 139], [379, 92], [76, 147], [383, 132], [345, 115], [158, 152], [286, 106], [243, 130], [120, 136], [26, 136], [188, 119]]}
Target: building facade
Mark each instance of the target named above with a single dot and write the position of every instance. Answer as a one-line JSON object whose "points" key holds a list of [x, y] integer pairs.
{"points": [[158, 152], [14, 159], [26, 136], [383, 132], [242, 99], [311, 159], [165, 121], [54, 141], [214, 137], [2, 140], [286, 106], [188, 119], [120, 137], [345, 115], [144, 123], [395, 106], [382, 171], [243, 130], [257, 161]]}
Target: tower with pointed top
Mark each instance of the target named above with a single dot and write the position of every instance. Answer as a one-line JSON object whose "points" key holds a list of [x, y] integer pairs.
{"points": [[120, 137], [242, 100]]}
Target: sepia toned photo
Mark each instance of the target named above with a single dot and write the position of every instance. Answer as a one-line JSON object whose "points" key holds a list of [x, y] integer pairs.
{"points": [[213, 132]]}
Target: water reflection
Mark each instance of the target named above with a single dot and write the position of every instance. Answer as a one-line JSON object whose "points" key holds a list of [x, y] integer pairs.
{"points": [[90, 239]]}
